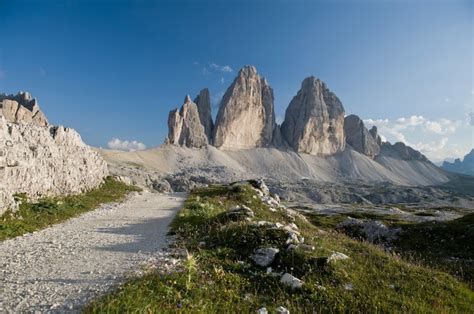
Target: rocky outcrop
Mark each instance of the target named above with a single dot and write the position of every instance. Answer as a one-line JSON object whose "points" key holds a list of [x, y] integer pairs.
{"points": [[185, 128], [203, 102], [401, 151], [375, 134], [359, 138], [466, 166], [246, 117], [21, 108], [314, 120], [45, 161]]}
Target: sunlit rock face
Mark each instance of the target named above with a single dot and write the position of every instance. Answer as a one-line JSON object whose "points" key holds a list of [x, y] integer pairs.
{"points": [[246, 117], [45, 161], [184, 126], [314, 120], [21, 108]]}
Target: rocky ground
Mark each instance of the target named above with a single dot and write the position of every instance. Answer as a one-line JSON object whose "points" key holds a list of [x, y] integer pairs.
{"points": [[61, 268]]}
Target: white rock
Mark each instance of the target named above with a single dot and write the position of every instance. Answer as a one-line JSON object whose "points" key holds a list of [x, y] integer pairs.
{"points": [[337, 256], [45, 161], [282, 310], [262, 310], [291, 281]]}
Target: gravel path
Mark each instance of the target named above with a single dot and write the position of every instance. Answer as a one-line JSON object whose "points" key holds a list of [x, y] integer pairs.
{"points": [[61, 268]]}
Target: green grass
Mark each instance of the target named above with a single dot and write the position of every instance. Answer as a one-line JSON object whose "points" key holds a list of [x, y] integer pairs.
{"points": [[448, 246], [223, 279], [33, 216]]}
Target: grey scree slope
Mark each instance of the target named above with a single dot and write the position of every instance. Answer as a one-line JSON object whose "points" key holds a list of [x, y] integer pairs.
{"points": [[61, 268]]}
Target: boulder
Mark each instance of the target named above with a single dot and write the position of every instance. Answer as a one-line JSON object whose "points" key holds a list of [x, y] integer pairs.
{"points": [[203, 102], [359, 138], [314, 120], [336, 256], [184, 126], [246, 117], [291, 281], [264, 256]]}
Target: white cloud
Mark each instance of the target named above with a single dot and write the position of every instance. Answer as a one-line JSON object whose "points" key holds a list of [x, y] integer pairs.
{"points": [[440, 126], [222, 81], [222, 68], [430, 137], [447, 99], [125, 145]]}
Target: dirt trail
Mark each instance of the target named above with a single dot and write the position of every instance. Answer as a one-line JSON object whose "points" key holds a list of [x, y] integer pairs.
{"points": [[61, 268]]}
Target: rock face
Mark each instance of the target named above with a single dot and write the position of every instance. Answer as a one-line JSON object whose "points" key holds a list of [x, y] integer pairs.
{"points": [[375, 134], [314, 120], [203, 102], [401, 151], [185, 128], [21, 108], [246, 117], [359, 138], [466, 166], [45, 161]]}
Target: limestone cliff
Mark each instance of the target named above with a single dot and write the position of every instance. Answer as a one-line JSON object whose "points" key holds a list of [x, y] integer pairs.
{"points": [[246, 117], [314, 120], [45, 161], [185, 127], [21, 108]]}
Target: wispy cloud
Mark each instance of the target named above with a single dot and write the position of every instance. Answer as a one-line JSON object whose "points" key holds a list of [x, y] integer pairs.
{"points": [[222, 81], [222, 68], [42, 71], [3, 74], [440, 126], [431, 137], [125, 145]]}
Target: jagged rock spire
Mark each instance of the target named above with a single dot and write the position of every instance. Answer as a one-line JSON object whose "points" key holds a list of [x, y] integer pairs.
{"points": [[185, 128], [246, 117], [203, 102]]}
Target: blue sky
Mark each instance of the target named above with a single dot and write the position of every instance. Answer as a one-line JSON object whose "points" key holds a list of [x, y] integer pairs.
{"points": [[113, 69]]}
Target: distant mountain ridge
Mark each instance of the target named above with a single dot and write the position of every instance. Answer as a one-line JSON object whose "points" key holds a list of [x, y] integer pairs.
{"points": [[466, 166]]}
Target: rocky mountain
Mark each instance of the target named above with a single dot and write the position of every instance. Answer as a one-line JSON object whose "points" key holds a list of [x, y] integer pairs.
{"points": [[314, 120], [203, 102], [39, 159], [246, 117], [465, 166], [21, 108], [185, 127], [359, 138]]}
